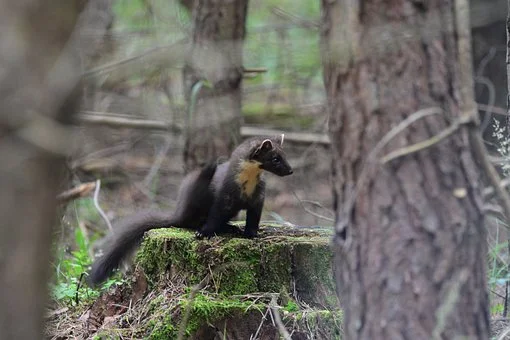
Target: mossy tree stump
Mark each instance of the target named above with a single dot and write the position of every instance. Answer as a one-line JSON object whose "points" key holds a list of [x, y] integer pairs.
{"points": [[279, 260], [285, 272]]}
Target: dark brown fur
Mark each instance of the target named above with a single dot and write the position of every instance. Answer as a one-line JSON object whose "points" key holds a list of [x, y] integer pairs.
{"points": [[208, 199]]}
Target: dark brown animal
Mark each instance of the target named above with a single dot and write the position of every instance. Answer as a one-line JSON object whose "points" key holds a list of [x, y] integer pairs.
{"points": [[208, 199]]}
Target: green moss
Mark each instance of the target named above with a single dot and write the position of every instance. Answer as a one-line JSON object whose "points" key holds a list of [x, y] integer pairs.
{"points": [[291, 306], [206, 309], [162, 329], [238, 259], [158, 255], [313, 273], [237, 266], [275, 267]]}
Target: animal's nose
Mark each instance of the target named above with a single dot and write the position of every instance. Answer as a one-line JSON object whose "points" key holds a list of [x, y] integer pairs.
{"points": [[291, 172]]}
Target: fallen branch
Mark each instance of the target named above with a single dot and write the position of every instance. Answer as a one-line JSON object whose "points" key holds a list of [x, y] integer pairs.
{"points": [[298, 137], [119, 121], [116, 120]]}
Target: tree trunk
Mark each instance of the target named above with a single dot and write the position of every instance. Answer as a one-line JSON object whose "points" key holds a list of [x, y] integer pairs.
{"points": [[410, 250], [38, 76], [214, 72]]}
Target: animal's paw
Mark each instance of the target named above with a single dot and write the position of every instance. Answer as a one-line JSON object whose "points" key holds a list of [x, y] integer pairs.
{"points": [[250, 234], [200, 235]]}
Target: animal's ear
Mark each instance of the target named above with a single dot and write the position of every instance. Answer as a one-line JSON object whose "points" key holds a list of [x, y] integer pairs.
{"points": [[265, 146]]}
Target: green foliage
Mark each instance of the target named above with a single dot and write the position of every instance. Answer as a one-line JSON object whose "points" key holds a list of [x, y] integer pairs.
{"points": [[70, 267], [291, 306], [69, 270]]}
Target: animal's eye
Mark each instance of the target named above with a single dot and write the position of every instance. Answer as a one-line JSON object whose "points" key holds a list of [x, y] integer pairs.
{"points": [[275, 160]]}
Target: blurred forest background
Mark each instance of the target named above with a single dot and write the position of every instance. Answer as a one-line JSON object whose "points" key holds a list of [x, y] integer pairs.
{"points": [[134, 116], [142, 79]]}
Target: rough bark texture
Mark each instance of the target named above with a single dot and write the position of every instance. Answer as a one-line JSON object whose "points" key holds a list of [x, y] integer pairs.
{"points": [[411, 262], [36, 94], [216, 60]]}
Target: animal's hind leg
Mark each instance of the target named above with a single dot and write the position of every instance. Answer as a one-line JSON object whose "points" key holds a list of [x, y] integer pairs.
{"points": [[199, 199]]}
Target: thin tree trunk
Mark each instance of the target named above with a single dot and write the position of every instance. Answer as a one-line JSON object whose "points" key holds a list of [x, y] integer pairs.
{"points": [[214, 74], [37, 81], [410, 249], [505, 309]]}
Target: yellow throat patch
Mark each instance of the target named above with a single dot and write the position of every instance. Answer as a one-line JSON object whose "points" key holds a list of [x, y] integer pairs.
{"points": [[248, 177]]}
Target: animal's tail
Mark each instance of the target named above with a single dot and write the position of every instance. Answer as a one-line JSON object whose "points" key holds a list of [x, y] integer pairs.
{"points": [[128, 234]]}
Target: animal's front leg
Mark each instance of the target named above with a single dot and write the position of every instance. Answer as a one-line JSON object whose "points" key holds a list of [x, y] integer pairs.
{"points": [[253, 214], [217, 220]]}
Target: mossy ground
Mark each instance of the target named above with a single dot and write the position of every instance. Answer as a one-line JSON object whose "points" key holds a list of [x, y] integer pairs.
{"points": [[243, 278]]}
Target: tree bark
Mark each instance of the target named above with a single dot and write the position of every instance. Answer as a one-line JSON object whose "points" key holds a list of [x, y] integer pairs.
{"points": [[38, 78], [215, 71], [410, 251]]}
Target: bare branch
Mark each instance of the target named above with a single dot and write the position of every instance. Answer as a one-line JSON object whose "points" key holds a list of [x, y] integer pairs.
{"points": [[298, 137], [76, 192], [96, 204], [277, 318], [297, 20], [494, 109], [370, 162], [426, 143], [118, 121], [177, 50], [301, 202]]}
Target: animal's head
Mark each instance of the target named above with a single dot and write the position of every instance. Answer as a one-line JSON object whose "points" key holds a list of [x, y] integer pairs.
{"points": [[269, 153]]}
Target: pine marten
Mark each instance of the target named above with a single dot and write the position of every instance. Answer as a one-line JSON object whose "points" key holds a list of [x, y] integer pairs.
{"points": [[207, 200]]}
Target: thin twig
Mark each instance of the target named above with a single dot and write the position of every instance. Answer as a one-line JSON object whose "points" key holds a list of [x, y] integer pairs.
{"points": [[329, 219], [96, 204], [371, 161], [494, 109], [124, 121], [76, 192], [490, 103], [196, 288], [261, 323], [78, 286], [278, 319], [255, 69], [177, 48], [297, 20], [428, 142]]}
